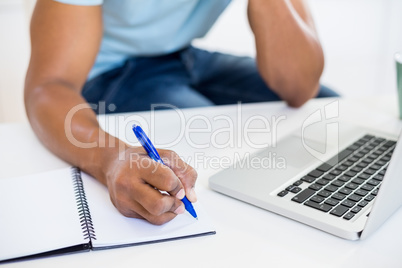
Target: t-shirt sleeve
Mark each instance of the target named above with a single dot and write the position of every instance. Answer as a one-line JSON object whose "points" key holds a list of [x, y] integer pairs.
{"points": [[81, 2]]}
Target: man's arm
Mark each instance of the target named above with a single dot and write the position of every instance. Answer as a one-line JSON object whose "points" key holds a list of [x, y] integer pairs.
{"points": [[289, 55], [65, 40]]}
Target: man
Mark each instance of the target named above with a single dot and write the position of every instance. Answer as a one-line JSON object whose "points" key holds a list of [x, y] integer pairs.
{"points": [[133, 53]]}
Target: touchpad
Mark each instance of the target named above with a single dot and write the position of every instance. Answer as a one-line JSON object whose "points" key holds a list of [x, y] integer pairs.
{"points": [[293, 153]]}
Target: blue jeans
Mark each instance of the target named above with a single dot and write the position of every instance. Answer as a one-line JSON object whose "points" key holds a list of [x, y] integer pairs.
{"points": [[188, 78]]}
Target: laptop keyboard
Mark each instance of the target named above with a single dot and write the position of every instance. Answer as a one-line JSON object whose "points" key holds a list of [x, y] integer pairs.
{"points": [[346, 183]]}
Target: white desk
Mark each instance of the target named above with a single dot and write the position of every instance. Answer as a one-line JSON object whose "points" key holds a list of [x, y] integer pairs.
{"points": [[246, 235]]}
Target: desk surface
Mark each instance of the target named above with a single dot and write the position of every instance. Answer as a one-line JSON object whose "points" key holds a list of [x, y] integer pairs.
{"points": [[245, 234]]}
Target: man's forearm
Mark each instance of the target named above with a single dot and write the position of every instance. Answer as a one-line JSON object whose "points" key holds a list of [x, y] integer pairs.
{"points": [[65, 124], [289, 55]]}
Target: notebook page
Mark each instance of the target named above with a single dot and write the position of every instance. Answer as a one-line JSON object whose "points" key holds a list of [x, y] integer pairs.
{"points": [[38, 213], [113, 229]]}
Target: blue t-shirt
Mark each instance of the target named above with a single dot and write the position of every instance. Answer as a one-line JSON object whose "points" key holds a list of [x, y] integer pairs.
{"points": [[149, 27]]}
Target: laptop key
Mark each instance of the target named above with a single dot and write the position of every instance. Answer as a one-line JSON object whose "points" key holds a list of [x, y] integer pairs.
{"points": [[358, 181], [363, 203], [324, 167], [375, 192], [335, 172], [331, 202], [369, 198], [361, 192], [324, 193], [331, 188], [317, 199], [367, 137], [308, 179], [354, 159], [373, 182], [303, 195], [370, 147], [289, 188], [348, 163], [315, 187], [339, 210], [350, 173], [322, 182], [370, 171], [359, 154], [359, 143], [367, 187], [345, 191], [367, 160], [328, 177], [355, 198], [379, 140], [353, 147], [375, 166], [298, 183], [342, 168], [295, 190], [348, 203], [341, 156], [322, 207], [365, 151], [338, 183], [356, 169], [338, 196], [380, 163], [363, 176], [356, 209], [315, 173], [378, 177], [348, 216], [362, 165], [389, 143], [344, 178], [352, 186], [282, 193], [386, 158]]}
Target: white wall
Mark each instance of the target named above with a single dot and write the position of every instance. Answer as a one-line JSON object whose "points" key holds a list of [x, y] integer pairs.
{"points": [[14, 55], [359, 38]]}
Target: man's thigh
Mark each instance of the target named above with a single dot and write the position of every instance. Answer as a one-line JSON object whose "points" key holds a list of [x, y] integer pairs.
{"points": [[144, 83]]}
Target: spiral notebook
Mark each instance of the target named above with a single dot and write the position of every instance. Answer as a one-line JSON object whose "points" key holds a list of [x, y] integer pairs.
{"points": [[65, 211]]}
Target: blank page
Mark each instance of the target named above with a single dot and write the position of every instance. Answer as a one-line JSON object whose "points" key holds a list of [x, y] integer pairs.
{"points": [[38, 213], [113, 229]]}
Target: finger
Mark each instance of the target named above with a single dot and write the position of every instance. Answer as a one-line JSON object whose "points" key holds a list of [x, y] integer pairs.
{"points": [[139, 212], [162, 178], [186, 173], [154, 202]]}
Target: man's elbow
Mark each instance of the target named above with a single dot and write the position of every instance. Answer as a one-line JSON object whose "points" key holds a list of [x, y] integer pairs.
{"points": [[296, 92]]}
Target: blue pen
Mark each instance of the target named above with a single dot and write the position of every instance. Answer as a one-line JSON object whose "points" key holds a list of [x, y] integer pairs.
{"points": [[153, 154]]}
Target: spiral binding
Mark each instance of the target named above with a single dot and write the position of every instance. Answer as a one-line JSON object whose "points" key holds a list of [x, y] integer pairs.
{"points": [[82, 204]]}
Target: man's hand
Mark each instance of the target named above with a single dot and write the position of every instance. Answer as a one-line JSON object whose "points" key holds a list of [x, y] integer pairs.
{"points": [[289, 55], [135, 185]]}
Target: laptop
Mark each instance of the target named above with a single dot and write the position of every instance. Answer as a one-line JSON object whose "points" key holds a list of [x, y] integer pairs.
{"points": [[349, 189]]}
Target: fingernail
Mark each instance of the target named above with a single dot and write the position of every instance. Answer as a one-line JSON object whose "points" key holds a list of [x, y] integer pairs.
{"points": [[180, 195], [179, 210], [192, 195]]}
